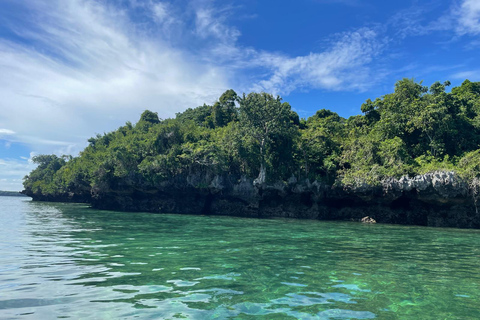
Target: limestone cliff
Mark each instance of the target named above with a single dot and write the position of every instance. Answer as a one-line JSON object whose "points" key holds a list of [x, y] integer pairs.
{"points": [[439, 199]]}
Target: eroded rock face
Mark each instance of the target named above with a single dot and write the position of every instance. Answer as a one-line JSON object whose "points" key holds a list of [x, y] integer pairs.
{"points": [[433, 199], [439, 186]]}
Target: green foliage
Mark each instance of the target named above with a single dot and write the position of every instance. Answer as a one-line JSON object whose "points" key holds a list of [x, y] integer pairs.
{"points": [[413, 130], [220, 114], [149, 117], [470, 165], [319, 145], [271, 125], [42, 180], [147, 120], [201, 116]]}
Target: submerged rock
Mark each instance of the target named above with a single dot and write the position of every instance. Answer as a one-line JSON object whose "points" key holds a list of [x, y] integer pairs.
{"points": [[367, 219]]}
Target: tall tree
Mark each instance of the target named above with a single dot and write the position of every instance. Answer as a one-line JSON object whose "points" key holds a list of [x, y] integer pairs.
{"points": [[265, 119]]}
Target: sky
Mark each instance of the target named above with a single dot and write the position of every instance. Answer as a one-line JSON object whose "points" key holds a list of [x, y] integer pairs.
{"points": [[70, 69]]}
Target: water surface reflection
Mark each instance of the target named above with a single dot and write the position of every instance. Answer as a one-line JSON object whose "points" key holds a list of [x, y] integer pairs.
{"points": [[64, 260]]}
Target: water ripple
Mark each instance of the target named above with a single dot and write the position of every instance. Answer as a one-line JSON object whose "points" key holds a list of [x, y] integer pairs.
{"points": [[66, 260]]}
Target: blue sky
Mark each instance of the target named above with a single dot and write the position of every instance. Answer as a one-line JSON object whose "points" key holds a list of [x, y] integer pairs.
{"points": [[72, 68]]}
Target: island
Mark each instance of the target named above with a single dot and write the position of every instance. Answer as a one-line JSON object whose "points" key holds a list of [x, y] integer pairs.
{"points": [[411, 157]]}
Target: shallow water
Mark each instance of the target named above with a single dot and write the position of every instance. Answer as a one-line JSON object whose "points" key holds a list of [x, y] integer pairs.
{"points": [[69, 261]]}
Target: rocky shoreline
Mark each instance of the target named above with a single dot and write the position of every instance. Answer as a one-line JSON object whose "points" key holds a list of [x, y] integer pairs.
{"points": [[439, 199]]}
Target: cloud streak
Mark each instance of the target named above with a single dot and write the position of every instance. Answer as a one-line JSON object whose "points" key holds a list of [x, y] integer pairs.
{"points": [[86, 69], [6, 132], [468, 17], [343, 66]]}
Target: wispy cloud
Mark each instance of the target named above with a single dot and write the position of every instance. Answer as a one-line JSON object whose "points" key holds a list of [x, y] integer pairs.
{"points": [[6, 132], [473, 75], [409, 22], [84, 68], [342, 66], [468, 17], [210, 23], [460, 18]]}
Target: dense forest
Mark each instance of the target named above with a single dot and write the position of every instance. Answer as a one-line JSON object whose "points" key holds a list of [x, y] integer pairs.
{"points": [[414, 130]]}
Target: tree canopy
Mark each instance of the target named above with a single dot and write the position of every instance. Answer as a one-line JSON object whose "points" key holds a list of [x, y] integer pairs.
{"points": [[413, 130]]}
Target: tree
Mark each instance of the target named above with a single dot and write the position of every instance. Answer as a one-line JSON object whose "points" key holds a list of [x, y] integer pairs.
{"points": [[147, 120], [370, 109], [41, 179], [150, 117], [319, 145], [265, 119]]}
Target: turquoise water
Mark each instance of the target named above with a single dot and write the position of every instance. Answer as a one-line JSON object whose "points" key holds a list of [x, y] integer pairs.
{"points": [[69, 261]]}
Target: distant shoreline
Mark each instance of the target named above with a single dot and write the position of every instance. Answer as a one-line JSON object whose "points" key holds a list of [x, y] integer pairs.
{"points": [[12, 194]]}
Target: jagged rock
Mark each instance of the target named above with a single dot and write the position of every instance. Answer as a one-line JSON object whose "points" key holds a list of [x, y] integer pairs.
{"points": [[436, 186], [319, 187], [244, 188], [278, 186], [368, 219], [422, 182], [292, 180], [262, 177], [435, 199], [217, 183]]}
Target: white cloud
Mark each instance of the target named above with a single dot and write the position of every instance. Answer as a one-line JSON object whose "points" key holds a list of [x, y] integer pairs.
{"points": [[468, 15], [472, 75], [461, 18], [160, 11], [6, 132], [210, 22], [165, 16], [343, 66], [89, 71], [12, 171], [411, 22]]}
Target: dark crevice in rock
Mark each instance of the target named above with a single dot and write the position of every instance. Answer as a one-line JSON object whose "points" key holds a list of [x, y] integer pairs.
{"points": [[208, 202]]}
